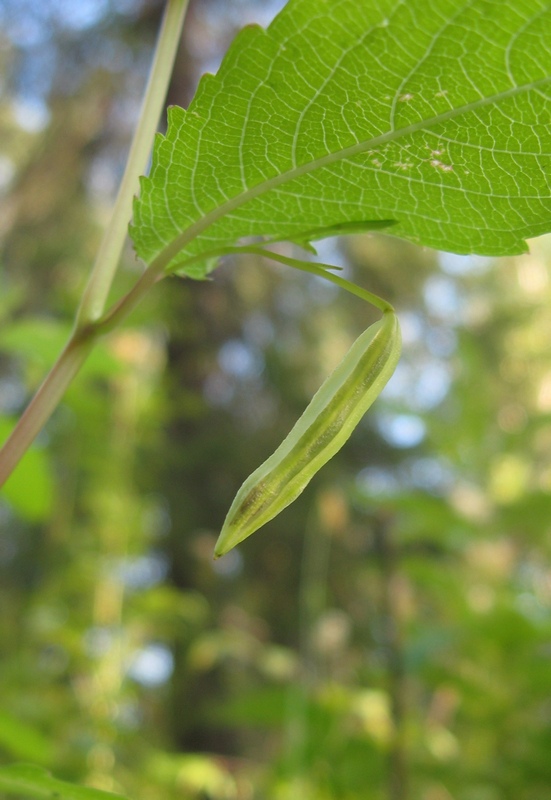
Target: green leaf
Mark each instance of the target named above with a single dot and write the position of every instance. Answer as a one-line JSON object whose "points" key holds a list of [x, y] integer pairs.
{"points": [[23, 740], [32, 781], [434, 115], [30, 489]]}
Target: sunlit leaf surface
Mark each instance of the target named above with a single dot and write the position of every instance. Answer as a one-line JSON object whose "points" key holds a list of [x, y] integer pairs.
{"points": [[434, 115]]}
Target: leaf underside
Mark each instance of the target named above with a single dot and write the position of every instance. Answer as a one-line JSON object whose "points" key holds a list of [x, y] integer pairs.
{"points": [[433, 116]]}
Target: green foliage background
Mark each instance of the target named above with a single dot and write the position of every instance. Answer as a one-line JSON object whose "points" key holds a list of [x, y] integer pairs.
{"points": [[388, 636]]}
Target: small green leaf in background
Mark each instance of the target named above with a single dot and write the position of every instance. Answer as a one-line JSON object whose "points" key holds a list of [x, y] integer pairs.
{"points": [[31, 781], [434, 115], [23, 741], [30, 490], [40, 341]]}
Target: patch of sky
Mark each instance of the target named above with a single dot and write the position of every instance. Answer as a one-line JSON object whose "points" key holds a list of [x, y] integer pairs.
{"points": [[117, 57], [29, 24], [258, 329], [316, 289], [426, 474], [432, 383], [219, 16], [329, 252], [443, 300], [399, 385], [152, 665], [241, 12], [26, 23], [34, 30], [127, 7], [412, 326], [457, 265], [401, 430], [238, 359], [143, 571], [321, 291], [377, 482], [230, 565], [441, 341], [102, 181], [82, 15], [33, 74], [30, 113], [421, 386], [429, 474], [12, 395]]}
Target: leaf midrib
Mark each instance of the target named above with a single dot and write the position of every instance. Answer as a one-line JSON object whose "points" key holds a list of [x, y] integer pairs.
{"points": [[179, 242]]}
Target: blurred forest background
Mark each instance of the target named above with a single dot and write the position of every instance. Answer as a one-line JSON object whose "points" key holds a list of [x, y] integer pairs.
{"points": [[388, 637]]}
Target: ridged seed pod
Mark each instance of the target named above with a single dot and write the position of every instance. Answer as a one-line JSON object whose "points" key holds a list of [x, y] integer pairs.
{"points": [[326, 424]]}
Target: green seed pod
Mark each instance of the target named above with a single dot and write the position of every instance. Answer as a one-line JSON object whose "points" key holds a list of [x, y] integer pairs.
{"points": [[326, 424]]}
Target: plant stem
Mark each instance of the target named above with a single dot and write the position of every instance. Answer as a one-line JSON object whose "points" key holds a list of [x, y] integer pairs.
{"points": [[322, 271], [120, 310], [68, 364], [313, 267], [96, 292], [88, 325], [43, 403]]}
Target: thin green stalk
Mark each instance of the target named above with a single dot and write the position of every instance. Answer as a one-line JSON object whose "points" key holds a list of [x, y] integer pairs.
{"points": [[96, 292], [322, 271], [157, 269], [120, 310], [69, 362], [314, 268], [87, 326]]}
